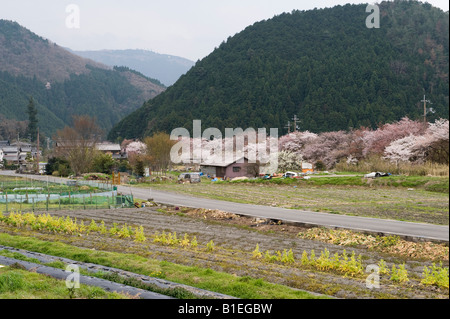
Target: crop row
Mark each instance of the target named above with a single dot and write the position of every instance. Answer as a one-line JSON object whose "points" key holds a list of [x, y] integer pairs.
{"points": [[346, 264], [350, 265], [71, 226]]}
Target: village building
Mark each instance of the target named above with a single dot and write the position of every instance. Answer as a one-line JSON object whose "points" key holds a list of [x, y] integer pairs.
{"points": [[105, 147], [17, 153], [229, 170], [114, 150], [11, 154]]}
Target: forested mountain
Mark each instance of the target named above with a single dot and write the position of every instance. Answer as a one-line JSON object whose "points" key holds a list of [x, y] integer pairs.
{"points": [[165, 68], [323, 65], [63, 84]]}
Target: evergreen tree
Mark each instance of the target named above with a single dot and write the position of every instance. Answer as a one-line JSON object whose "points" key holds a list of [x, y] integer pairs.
{"points": [[32, 120]]}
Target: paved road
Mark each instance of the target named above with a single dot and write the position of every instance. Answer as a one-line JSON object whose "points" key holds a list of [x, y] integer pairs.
{"points": [[372, 225]]}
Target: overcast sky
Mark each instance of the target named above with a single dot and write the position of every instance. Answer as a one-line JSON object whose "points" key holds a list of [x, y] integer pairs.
{"points": [[190, 29]]}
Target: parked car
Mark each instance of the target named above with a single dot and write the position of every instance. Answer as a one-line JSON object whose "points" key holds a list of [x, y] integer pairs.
{"points": [[189, 177], [290, 175], [377, 174]]}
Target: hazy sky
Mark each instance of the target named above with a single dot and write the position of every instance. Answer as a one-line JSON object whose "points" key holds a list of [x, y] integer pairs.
{"points": [[190, 29]]}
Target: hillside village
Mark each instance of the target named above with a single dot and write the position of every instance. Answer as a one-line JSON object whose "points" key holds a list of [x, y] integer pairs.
{"points": [[23, 156]]}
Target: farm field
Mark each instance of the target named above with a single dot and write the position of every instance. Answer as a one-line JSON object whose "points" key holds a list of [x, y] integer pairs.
{"points": [[238, 256], [19, 194]]}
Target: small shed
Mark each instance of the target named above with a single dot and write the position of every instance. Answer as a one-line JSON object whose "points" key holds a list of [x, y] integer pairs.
{"points": [[307, 168]]}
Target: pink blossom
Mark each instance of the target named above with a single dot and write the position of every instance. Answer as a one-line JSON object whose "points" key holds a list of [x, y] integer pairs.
{"points": [[376, 141]]}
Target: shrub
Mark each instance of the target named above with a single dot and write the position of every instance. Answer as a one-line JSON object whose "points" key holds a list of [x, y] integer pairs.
{"points": [[256, 253], [399, 275], [139, 235], [210, 246], [320, 166], [437, 276]]}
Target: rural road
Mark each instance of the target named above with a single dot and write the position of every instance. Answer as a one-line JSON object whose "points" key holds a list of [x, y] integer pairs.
{"points": [[416, 231]]}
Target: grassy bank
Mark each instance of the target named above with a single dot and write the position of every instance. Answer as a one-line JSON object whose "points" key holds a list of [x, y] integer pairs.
{"points": [[16, 283], [427, 183], [377, 164]]}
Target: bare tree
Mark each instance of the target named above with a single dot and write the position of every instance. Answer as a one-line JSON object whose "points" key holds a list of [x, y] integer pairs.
{"points": [[77, 144], [158, 151], [10, 129]]}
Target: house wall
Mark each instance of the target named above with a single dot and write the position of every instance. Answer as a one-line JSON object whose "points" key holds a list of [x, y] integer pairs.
{"points": [[230, 173]]}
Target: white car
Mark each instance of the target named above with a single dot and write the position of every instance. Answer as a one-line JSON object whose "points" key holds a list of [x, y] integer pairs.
{"points": [[290, 175], [376, 174]]}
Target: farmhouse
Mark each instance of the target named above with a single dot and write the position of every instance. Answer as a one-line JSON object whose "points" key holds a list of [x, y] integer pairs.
{"points": [[229, 170], [11, 153], [105, 147], [109, 148]]}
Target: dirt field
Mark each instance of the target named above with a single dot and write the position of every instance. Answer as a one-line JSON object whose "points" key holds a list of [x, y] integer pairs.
{"points": [[235, 238]]}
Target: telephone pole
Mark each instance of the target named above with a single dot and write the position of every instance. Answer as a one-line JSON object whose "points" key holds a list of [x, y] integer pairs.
{"points": [[425, 101], [296, 120], [288, 126], [37, 153]]}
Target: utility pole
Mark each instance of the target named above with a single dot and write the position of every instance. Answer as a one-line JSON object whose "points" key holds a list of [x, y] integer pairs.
{"points": [[296, 120], [288, 126], [37, 153], [425, 101], [18, 148]]}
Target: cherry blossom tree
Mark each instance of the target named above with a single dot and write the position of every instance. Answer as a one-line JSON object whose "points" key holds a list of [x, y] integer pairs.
{"points": [[295, 142], [135, 147], [328, 147], [432, 145], [376, 141], [402, 149], [289, 161]]}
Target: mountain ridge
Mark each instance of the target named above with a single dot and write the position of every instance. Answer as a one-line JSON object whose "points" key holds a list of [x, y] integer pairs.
{"points": [[323, 65], [164, 67], [63, 84]]}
